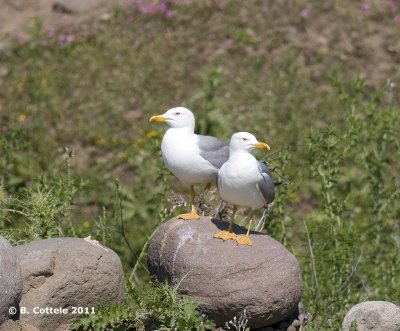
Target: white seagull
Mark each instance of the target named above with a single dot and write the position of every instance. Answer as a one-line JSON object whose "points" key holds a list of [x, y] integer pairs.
{"points": [[192, 158], [244, 182]]}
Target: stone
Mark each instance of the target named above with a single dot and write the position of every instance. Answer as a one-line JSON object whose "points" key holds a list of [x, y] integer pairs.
{"points": [[373, 316], [10, 279], [225, 279], [11, 325], [66, 273], [4, 48], [296, 323]]}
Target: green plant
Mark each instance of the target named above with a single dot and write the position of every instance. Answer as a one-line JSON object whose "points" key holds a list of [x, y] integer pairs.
{"points": [[157, 307]]}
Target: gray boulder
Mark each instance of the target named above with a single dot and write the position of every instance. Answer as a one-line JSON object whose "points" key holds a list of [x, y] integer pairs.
{"points": [[373, 316], [10, 279], [11, 325], [66, 273], [225, 279]]}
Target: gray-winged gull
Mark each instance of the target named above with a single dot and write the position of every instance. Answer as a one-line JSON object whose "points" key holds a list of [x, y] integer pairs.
{"points": [[244, 181], [192, 158]]}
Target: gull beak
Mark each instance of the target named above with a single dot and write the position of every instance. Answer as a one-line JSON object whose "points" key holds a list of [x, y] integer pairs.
{"points": [[262, 146], [158, 118]]}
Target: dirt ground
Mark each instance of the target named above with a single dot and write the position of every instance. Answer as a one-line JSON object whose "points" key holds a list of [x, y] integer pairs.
{"points": [[364, 38], [17, 15]]}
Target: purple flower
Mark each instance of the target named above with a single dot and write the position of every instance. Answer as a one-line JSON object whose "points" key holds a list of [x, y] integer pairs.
{"points": [[365, 9]]}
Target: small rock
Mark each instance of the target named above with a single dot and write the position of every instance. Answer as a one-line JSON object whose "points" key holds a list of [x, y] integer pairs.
{"points": [[67, 273], [225, 279], [61, 8], [373, 316], [4, 50], [296, 323], [132, 116], [3, 71], [11, 325], [105, 17], [10, 279], [291, 328]]}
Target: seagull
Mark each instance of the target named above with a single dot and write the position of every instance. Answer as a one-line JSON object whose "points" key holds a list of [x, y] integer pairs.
{"points": [[244, 182], [192, 158]]}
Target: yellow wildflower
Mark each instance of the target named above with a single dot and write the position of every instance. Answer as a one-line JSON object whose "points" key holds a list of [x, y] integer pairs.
{"points": [[152, 134], [86, 224], [22, 118]]}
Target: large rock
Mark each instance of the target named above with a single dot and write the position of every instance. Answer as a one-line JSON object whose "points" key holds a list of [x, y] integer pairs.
{"points": [[66, 273], [11, 325], [225, 278], [10, 279], [373, 316]]}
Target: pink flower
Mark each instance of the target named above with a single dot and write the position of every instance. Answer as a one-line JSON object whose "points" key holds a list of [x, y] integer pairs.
{"points": [[365, 9], [162, 7], [169, 14], [61, 39], [397, 18], [394, 6], [49, 33], [70, 38], [44, 42], [305, 13]]}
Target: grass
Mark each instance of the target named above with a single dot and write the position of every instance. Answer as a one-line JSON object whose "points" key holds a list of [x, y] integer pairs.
{"points": [[265, 68]]}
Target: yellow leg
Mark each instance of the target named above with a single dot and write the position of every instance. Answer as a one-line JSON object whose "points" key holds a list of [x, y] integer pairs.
{"points": [[245, 240], [228, 234], [193, 214]]}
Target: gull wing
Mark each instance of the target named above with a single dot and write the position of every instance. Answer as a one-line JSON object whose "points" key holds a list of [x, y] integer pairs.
{"points": [[213, 150], [266, 184]]}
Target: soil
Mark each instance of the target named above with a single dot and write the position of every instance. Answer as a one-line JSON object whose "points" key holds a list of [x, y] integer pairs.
{"points": [[16, 16]]}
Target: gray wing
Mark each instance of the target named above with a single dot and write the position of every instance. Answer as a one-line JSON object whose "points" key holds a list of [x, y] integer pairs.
{"points": [[266, 185], [213, 150]]}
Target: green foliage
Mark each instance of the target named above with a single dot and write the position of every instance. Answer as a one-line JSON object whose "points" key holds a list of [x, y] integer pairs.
{"points": [[353, 326], [354, 189], [157, 307], [13, 148]]}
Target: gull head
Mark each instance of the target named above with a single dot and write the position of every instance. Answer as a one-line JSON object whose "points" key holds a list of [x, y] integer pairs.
{"points": [[244, 141], [178, 117]]}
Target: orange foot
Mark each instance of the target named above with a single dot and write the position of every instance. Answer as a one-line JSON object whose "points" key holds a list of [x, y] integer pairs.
{"points": [[244, 240], [225, 235], [189, 216]]}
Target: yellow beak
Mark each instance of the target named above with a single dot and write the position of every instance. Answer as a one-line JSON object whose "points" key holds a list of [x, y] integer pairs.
{"points": [[157, 118], [262, 146]]}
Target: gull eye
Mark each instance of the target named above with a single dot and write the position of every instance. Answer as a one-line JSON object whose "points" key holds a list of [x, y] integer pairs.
{"points": [[177, 113], [245, 139]]}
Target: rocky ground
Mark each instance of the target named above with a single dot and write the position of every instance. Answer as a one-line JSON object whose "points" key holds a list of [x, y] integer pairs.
{"points": [[16, 16]]}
